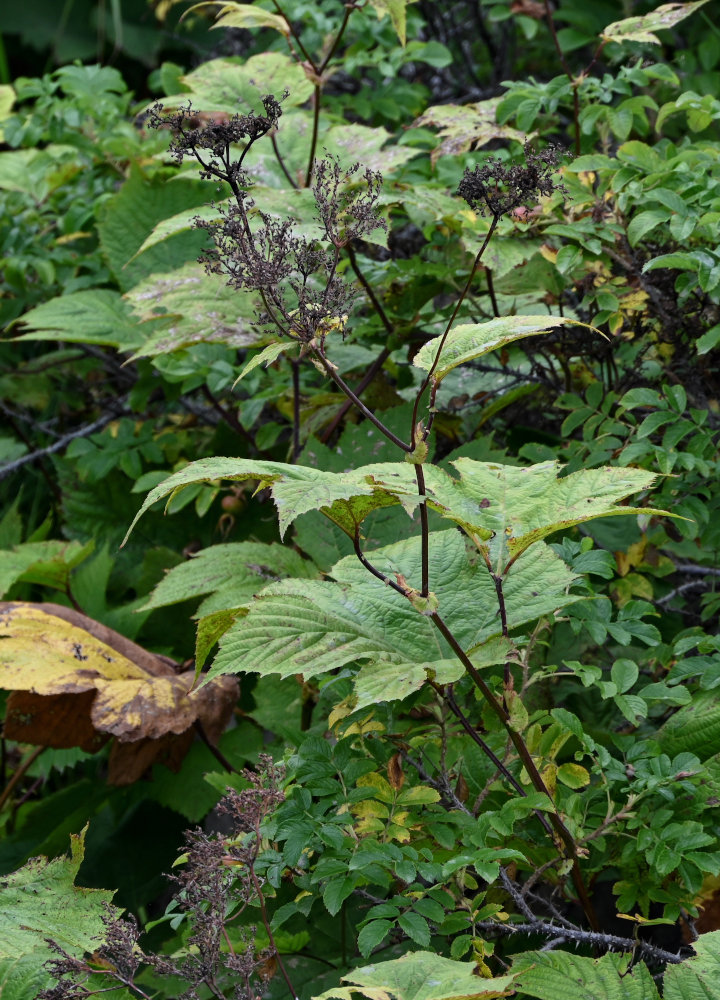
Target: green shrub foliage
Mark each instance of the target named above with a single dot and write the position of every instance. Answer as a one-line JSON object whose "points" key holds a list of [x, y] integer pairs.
{"points": [[360, 504]]}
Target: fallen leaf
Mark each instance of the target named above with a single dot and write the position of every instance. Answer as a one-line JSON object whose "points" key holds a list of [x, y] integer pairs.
{"points": [[75, 682]]}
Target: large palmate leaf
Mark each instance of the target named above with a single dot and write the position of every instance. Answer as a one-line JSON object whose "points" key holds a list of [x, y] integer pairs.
{"points": [[504, 508], [95, 316], [345, 497], [311, 627], [420, 975], [471, 340], [467, 126], [237, 85], [188, 306], [643, 28], [40, 901]]}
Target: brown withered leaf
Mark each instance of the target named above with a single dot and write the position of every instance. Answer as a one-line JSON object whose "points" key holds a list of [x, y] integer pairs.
{"points": [[75, 682], [530, 8], [395, 773]]}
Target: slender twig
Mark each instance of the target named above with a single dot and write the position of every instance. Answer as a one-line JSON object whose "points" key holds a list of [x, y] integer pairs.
{"points": [[596, 939], [373, 569], [369, 291], [314, 138], [214, 750], [19, 773], [62, 442], [227, 415], [278, 156], [491, 292], [268, 930], [424, 532]]}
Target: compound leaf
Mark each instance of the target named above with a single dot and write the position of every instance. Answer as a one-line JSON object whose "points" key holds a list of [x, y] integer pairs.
{"points": [[641, 29]]}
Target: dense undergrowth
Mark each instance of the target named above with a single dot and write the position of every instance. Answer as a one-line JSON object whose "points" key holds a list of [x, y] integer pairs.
{"points": [[418, 679]]}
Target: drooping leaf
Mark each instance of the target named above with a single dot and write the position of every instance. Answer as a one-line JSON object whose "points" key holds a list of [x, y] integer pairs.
{"points": [[559, 975], [75, 682], [420, 975], [467, 126], [188, 306], [41, 901], [346, 498], [471, 340], [643, 28], [47, 563], [95, 316], [243, 15], [311, 627], [235, 572], [265, 357]]}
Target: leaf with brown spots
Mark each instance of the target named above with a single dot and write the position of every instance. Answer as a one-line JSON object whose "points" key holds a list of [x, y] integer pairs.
{"points": [[75, 682]]}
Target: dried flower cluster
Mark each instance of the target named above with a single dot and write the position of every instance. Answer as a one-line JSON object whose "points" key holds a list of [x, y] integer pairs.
{"points": [[499, 188], [301, 292], [215, 884]]}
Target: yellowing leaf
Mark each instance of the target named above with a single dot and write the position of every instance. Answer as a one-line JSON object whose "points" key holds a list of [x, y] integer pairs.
{"points": [[77, 683], [243, 15], [467, 126], [641, 29]]}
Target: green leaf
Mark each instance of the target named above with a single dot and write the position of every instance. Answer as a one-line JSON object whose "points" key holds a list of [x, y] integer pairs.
{"points": [[471, 340], [696, 978], [644, 223], [420, 975], [41, 901], [558, 975], [187, 306], [641, 29], [416, 927], [243, 15], [295, 488], [396, 10], [624, 674], [372, 934], [311, 627], [210, 629], [336, 892], [265, 357], [46, 563], [128, 218], [693, 729], [235, 572], [96, 316]]}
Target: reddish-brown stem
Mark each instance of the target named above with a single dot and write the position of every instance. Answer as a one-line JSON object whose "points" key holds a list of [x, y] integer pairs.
{"points": [[359, 388], [314, 138], [295, 368], [424, 533], [344, 387], [19, 773]]}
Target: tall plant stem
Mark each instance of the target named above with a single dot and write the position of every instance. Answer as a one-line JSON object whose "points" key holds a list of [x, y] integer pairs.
{"points": [[295, 368], [415, 433], [268, 929], [562, 832], [375, 302], [574, 81], [314, 138]]}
